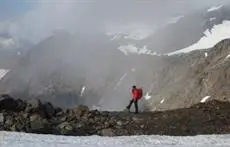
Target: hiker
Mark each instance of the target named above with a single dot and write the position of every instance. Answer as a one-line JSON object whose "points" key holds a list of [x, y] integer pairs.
{"points": [[136, 95]]}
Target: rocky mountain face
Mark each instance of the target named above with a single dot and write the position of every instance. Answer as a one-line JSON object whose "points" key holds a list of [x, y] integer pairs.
{"points": [[186, 79], [32, 116]]}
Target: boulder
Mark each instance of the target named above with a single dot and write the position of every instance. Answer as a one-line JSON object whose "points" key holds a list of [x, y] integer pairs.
{"points": [[120, 123], [7, 103], [80, 110], [107, 132], [36, 122], [33, 104], [21, 105], [9, 120], [13, 128], [20, 126], [49, 110], [65, 128], [80, 125]]}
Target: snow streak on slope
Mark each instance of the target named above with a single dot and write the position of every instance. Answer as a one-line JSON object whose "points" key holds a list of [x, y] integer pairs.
{"points": [[214, 8], [82, 90], [217, 34], [120, 80], [10, 139], [205, 99]]}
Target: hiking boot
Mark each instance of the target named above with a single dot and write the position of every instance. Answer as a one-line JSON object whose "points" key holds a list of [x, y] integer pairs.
{"points": [[127, 110]]}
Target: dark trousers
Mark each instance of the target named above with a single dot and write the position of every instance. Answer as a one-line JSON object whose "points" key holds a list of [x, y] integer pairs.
{"points": [[135, 104]]}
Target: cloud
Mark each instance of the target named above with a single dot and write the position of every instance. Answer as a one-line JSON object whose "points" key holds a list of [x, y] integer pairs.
{"points": [[7, 43], [48, 15]]}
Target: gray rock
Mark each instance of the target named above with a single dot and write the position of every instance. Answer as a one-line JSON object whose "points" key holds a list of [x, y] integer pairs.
{"points": [[49, 110], [13, 128], [2, 118], [8, 103], [136, 119], [107, 132], [120, 123], [25, 115], [80, 125], [9, 122], [106, 124], [19, 126], [63, 119], [36, 122], [21, 105], [33, 103], [80, 110], [60, 113], [65, 126]]}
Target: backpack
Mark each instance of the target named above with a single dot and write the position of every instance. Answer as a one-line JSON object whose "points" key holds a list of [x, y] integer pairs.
{"points": [[139, 93]]}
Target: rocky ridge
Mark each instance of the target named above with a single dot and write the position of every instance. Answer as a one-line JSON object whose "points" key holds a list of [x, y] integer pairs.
{"points": [[32, 116]]}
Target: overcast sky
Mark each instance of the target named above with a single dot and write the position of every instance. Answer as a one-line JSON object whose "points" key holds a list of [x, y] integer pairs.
{"points": [[37, 18]]}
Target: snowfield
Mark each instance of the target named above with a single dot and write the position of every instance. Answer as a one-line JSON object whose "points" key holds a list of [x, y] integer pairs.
{"points": [[10, 139], [211, 38]]}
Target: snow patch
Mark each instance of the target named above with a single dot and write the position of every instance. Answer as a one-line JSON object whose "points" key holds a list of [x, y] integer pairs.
{"points": [[227, 56], [147, 96], [206, 54], [126, 49], [3, 72], [212, 18], [214, 8], [211, 38], [82, 90], [205, 99], [162, 101]]}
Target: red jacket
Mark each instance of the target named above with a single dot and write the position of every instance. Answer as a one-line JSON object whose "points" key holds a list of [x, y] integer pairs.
{"points": [[134, 94]]}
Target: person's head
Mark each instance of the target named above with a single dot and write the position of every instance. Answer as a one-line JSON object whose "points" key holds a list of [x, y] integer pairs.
{"points": [[134, 87]]}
